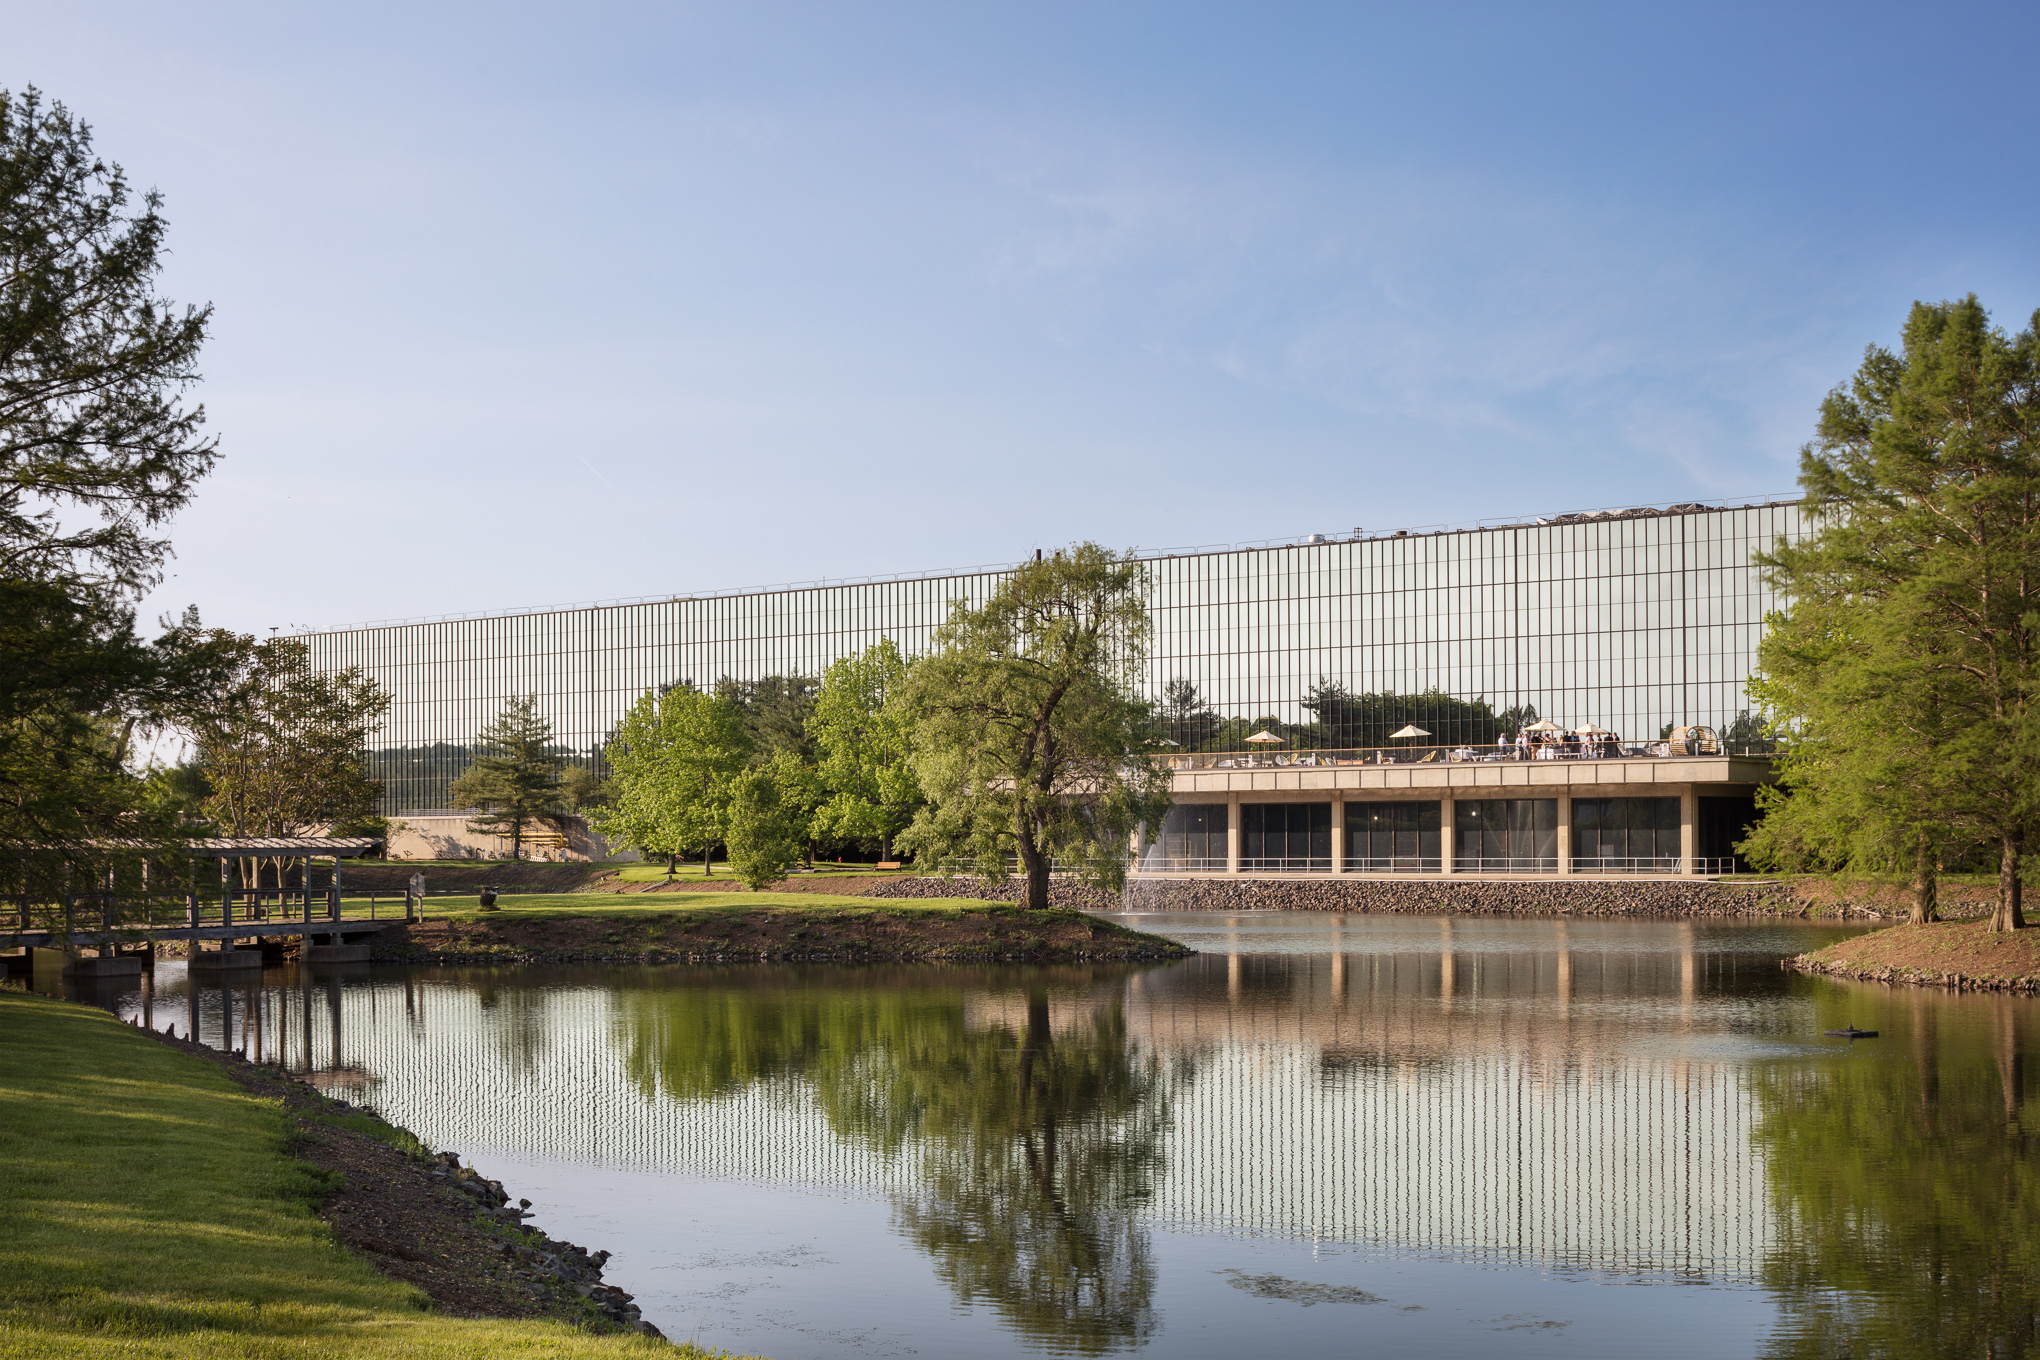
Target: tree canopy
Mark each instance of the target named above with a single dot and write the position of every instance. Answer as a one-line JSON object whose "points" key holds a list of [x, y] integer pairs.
{"points": [[97, 451], [1901, 677], [864, 743], [1030, 739], [283, 745], [96, 446], [675, 760]]}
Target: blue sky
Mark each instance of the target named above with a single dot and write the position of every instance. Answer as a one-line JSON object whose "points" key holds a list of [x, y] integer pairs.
{"points": [[527, 305]]}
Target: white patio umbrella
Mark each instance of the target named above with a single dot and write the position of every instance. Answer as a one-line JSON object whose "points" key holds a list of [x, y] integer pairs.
{"points": [[1410, 731], [1542, 725], [1264, 736], [1589, 730]]}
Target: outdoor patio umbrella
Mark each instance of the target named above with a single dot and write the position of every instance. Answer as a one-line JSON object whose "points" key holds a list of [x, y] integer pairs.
{"points": [[1592, 731], [1264, 736], [1542, 725], [1410, 731]]}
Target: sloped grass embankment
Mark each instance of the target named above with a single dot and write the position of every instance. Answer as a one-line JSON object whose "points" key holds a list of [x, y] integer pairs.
{"points": [[741, 926], [1962, 955], [153, 1209]]}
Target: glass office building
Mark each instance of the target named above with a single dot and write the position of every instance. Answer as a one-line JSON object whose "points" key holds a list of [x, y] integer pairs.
{"points": [[1630, 620]]}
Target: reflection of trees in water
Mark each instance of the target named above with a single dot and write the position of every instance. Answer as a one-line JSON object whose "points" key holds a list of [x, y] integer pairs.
{"points": [[1906, 1187], [520, 1023], [1033, 1150]]}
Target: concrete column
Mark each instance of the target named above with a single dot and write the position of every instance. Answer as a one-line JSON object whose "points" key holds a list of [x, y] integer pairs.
{"points": [[1338, 834], [1689, 830], [1448, 839], [1565, 833], [1139, 845], [1232, 833]]}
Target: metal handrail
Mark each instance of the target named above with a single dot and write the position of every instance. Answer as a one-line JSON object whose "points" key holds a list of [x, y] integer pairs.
{"points": [[1157, 863], [1460, 753]]}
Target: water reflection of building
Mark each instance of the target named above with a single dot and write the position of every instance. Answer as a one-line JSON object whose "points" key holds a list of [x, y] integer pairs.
{"points": [[1484, 1104]]}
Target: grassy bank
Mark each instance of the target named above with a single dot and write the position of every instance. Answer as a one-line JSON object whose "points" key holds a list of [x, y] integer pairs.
{"points": [[726, 926], [1961, 954], [152, 1208]]}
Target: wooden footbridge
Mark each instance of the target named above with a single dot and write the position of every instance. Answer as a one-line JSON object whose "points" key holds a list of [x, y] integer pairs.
{"points": [[123, 932]]}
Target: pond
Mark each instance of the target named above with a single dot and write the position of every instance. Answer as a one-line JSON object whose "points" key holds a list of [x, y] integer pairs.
{"points": [[1411, 1136]]}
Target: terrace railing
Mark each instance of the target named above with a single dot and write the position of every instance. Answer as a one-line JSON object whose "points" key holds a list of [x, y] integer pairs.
{"points": [[1158, 864], [1460, 754]]}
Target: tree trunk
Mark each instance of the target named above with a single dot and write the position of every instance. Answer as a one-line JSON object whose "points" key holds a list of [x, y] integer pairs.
{"points": [[2009, 915], [672, 864], [707, 869], [1034, 868], [1926, 886]]}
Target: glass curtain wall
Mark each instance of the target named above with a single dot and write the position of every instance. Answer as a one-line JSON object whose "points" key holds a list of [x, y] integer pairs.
{"points": [[1193, 838], [1625, 833], [1506, 835], [1285, 836], [1723, 822], [1630, 621], [1392, 836]]}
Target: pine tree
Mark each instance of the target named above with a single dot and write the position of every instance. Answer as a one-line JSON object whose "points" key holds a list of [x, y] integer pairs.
{"points": [[1904, 676], [517, 775]]}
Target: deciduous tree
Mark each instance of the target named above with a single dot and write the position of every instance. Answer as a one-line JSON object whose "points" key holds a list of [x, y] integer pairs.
{"points": [[767, 825], [1030, 739], [675, 760], [284, 745], [864, 746]]}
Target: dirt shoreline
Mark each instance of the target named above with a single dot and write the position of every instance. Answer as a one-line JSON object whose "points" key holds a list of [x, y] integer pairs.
{"points": [[1953, 955], [423, 1218], [874, 934]]}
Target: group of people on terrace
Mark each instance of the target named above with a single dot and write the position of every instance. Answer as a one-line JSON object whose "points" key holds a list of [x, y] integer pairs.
{"points": [[1581, 743], [1542, 740]]}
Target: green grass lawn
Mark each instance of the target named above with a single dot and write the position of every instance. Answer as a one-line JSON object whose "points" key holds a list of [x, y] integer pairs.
{"points": [[546, 906], [151, 1209], [656, 873]]}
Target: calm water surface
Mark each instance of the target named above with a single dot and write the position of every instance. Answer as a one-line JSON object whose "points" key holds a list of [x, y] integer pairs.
{"points": [[1411, 1137]]}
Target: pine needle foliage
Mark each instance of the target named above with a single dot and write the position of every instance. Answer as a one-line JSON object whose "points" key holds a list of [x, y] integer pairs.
{"points": [[1904, 676]]}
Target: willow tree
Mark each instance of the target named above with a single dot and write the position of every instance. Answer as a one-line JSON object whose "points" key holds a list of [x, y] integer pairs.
{"points": [[1030, 741], [1903, 671]]}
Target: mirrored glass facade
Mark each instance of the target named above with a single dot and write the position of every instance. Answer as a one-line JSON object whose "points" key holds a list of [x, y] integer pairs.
{"points": [[1629, 621]]}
